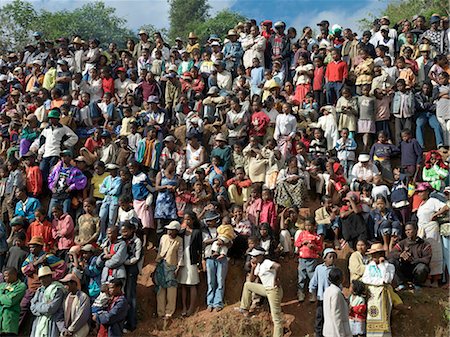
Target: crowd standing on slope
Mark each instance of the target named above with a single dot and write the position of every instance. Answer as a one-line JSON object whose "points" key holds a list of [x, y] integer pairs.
{"points": [[217, 151]]}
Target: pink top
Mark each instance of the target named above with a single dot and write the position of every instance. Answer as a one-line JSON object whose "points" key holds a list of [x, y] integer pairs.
{"points": [[63, 231]]}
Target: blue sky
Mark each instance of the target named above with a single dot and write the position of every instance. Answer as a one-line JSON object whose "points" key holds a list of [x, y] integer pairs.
{"points": [[297, 13]]}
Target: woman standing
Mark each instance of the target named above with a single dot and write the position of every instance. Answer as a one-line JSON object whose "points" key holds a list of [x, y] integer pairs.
{"points": [[188, 276], [358, 261], [165, 207], [142, 189], [377, 276], [427, 213]]}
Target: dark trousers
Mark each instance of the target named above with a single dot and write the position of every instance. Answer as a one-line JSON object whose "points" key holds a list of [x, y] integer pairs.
{"points": [[318, 323], [407, 272], [130, 294], [46, 164], [319, 97]]}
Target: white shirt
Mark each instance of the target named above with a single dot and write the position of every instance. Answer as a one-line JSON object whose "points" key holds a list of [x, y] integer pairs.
{"points": [[335, 313], [53, 139], [266, 274], [224, 80], [122, 87], [364, 173], [285, 125], [427, 209]]}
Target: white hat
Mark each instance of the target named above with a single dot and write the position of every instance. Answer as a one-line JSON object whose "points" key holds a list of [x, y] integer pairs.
{"points": [[215, 43], [174, 225], [169, 138], [220, 137], [44, 271], [111, 166], [363, 157], [257, 251]]}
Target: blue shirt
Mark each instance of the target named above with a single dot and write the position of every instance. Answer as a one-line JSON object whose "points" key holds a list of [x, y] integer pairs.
{"points": [[26, 208], [139, 186], [319, 281], [111, 188]]}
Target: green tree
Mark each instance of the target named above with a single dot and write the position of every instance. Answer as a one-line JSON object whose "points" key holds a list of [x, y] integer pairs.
{"points": [[405, 9], [16, 24], [92, 20], [220, 24], [185, 14]]}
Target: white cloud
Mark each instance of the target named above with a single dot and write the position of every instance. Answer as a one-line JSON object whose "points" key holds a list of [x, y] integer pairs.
{"points": [[344, 17]]}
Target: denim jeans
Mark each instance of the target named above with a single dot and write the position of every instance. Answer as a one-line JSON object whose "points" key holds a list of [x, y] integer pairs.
{"points": [[216, 273], [431, 119], [65, 203], [108, 216], [305, 272], [46, 164], [333, 91]]}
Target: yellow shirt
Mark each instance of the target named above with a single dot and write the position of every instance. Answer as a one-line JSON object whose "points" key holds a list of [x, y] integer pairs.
{"points": [[96, 182], [125, 130], [170, 250], [49, 79]]}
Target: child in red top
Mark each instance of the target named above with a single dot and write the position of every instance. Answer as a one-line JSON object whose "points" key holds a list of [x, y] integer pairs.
{"points": [[34, 174], [268, 211], [259, 120], [183, 198], [41, 227], [358, 308], [309, 247]]}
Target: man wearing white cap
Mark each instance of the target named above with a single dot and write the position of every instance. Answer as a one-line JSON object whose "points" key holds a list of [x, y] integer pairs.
{"points": [[47, 306], [364, 170], [268, 273]]}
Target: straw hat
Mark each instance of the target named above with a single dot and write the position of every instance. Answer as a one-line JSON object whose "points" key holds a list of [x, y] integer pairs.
{"points": [[44, 271], [77, 40], [375, 248], [192, 36], [231, 32], [36, 240]]}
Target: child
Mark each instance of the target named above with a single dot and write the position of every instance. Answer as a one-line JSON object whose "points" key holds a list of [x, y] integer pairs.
{"points": [[13, 183], [399, 196], [345, 148], [126, 211], [302, 79], [403, 108], [391, 71], [125, 129], [29, 134], [259, 121], [319, 283], [358, 308], [382, 152], [328, 124], [88, 224], [268, 212], [382, 111], [442, 95], [347, 107], [17, 253], [318, 147], [309, 247], [125, 153], [219, 248], [99, 175], [215, 170], [33, 174], [266, 240], [158, 65], [237, 159], [405, 72], [366, 121], [102, 301], [309, 109], [41, 227]]}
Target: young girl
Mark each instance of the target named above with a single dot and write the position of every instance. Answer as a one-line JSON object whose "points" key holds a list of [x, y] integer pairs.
{"points": [[318, 147], [302, 79], [267, 240], [382, 111], [347, 107], [358, 308], [88, 227], [328, 124], [383, 152], [366, 121]]}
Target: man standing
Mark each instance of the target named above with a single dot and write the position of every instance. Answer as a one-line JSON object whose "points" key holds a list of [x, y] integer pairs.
{"points": [[47, 306], [34, 261], [77, 308], [11, 293], [111, 320], [335, 308], [279, 46], [52, 140], [268, 273]]}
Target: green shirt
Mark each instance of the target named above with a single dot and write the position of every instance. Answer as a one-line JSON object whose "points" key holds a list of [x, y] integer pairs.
{"points": [[10, 296]]}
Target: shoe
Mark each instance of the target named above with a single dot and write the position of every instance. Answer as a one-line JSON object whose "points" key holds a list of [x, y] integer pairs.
{"points": [[125, 331], [312, 298], [242, 311], [210, 309], [300, 296], [218, 309]]}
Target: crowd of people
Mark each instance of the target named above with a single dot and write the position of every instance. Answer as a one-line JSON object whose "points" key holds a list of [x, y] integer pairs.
{"points": [[219, 150]]}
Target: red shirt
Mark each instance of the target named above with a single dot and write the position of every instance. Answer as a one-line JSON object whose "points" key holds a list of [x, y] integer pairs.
{"points": [[259, 123], [319, 74], [336, 71], [269, 214], [43, 229], [34, 180], [91, 144], [108, 85], [304, 251]]}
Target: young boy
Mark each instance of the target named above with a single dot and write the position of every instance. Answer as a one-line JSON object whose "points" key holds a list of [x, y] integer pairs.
{"points": [[41, 227], [411, 153], [33, 174], [17, 253], [405, 73], [403, 108], [345, 148], [309, 246], [319, 283], [327, 217]]}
